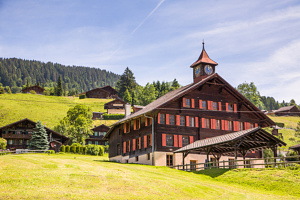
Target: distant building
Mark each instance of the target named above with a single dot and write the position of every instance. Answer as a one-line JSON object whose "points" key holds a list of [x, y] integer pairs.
{"points": [[97, 115], [102, 93], [137, 108], [116, 106], [296, 148], [97, 137], [38, 89], [19, 133], [287, 111]]}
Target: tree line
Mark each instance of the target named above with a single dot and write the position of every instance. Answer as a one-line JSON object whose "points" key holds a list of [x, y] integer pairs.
{"points": [[17, 73]]}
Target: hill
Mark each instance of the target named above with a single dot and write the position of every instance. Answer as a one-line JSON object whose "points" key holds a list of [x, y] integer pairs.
{"points": [[49, 109], [69, 176], [15, 73]]}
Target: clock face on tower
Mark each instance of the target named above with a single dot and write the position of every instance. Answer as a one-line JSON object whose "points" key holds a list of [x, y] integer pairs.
{"points": [[208, 69], [197, 71]]}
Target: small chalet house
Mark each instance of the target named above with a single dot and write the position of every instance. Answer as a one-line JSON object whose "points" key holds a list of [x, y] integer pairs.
{"points": [[116, 106], [102, 93], [97, 137], [38, 89], [19, 133], [287, 111], [206, 108]]}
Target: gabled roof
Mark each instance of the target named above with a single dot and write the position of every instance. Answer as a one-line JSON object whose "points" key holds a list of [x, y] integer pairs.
{"points": [[254, 139], [203, 58], [115, 101], [102, 125], [95, 90], [108, 87], [297, 146], [175, 94], [286, 108], [34, 86]]}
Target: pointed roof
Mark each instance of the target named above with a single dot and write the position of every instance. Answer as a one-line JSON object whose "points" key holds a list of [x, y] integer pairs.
{"points": [[203, 58]]}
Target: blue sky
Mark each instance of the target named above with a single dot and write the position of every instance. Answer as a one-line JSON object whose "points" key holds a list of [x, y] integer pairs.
{"points": [[255, 41]]}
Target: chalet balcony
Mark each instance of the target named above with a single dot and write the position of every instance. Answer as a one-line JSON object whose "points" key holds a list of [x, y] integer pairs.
{"points": [[16, 136]]}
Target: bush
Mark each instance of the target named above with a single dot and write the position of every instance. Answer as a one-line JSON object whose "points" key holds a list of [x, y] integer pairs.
{"points": [[96, 150], [73, 149], [280, 124], [106, 148], [32, 92], [113, 116], [83, 96], [81, 149], [63, 148], [292, 153], [3, 143], [67, 149], [50, 152], [84, 150]]}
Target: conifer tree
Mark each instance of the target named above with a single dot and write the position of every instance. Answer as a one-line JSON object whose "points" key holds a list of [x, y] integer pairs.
{"points": [[127, 97], [59, 87], [39, 138]]}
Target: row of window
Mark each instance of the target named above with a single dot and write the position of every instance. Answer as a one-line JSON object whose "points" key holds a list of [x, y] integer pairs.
{"points": [[17, 132], [172, 140], [17, 142], [97, 142], [99, 133], [136, 144], [177, 120], [136, 125], [209, 105]]}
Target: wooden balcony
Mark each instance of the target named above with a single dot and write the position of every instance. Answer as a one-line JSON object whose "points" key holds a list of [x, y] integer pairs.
{"points": [[16, 136]]}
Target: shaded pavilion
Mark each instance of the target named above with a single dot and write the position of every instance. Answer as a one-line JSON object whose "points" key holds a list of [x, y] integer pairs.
{"points": [[240, 142]]}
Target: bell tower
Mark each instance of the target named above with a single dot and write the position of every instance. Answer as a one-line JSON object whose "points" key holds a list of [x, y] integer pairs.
{"points": [[203, 67]]}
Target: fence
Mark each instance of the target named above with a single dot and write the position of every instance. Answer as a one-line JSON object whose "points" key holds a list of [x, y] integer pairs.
{"points": [[247, 163], [20, 151]]}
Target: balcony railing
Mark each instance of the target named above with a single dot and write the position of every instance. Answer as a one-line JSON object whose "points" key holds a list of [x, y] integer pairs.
{"points": [[16, 136]]}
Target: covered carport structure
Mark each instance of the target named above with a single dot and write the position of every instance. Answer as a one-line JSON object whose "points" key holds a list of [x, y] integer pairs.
{"points": [[240, 142]]}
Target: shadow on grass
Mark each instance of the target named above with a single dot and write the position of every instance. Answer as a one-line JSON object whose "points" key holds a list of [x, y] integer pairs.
{"points": [[212, 172]]}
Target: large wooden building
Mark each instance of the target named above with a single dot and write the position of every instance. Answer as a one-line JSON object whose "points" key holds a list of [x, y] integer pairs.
{"points": [[102, 93], [287, 111], [206, 108], [19, 133], [98, 135], [116, 106], [38, 89]]}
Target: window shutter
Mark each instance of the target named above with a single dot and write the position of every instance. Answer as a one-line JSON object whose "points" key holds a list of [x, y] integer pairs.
{"points": [[235, 126], [255, 125], [226, 124], [187, 121], [167, 119], [208, 105], [158, 118], [196, 122], [223, 124], [146, 121], [193, 103], [213, 124], [140, 143], [200, 104], [134, 124], [129, 145], [180, 140], [164, 142], [133, 145], [177, 120], [145, 141], [175, 140], [125, 131], [235, 108], [151, 139], [191, 139], [124, 147], [183, 102], [226, 107], [203, 122], [220, 106]]}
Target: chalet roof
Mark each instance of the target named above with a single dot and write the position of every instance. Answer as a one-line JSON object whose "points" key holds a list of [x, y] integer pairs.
{"points": [[175, 94], [108, 87], [26, 119], [34, 86], [102, 125], [203, 58], [138, 106], [286, 108], [251, 139], [95, 90], [297, 146], [117, 99], [105, 88]]}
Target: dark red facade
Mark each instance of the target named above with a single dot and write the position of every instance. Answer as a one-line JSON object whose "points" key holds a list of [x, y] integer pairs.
{"points": [[98, 135]]}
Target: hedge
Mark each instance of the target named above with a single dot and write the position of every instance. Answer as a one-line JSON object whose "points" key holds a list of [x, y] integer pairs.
{"points": [[113, 116], [280, 124], [62, 148], [83, 96], [67, 149]]}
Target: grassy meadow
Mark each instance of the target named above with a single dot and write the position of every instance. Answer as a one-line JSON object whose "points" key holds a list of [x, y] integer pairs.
{"points": [[71, 176], [48, 109]]}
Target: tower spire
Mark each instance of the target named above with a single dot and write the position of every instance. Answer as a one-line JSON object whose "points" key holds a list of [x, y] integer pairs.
{"points": [[203, 44]]}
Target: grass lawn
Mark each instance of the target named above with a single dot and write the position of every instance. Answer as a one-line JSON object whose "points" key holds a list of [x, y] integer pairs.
{"points": [[71, 176], [48, 109]]}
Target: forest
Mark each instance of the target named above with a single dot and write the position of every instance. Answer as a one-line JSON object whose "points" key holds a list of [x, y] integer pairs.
{"points": [[16, 73]]}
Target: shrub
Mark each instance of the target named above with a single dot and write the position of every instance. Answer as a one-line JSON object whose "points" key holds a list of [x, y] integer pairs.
{"points": [[106, 148], [83, 96], [78, 149], [73, 149], [32, 92], [81, 149], [63, 148], [3, 143], [113, 116], [292, 153], [67, 149], [95, 150], [280, 124], [50, 152], [84, 150]]}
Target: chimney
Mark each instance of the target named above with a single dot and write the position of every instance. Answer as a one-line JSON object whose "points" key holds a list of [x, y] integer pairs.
{"points": [[127, 110]]}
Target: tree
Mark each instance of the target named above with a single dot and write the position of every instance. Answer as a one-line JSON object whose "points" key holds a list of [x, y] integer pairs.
{"points": [[175, 85], [8, 91], [293, 102], [126, 82], [39, 138], [250, 92], [3, 143], [1, 89], [146, 95], [127, 97], [297, 132], [59, 87], [77, 124]]}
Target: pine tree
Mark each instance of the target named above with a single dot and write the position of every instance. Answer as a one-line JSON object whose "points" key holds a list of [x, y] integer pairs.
{"points": [[127, 96], [59, 87], [39, 138], [127, 82]]}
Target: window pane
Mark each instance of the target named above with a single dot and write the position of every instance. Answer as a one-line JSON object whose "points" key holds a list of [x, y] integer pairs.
{"points": [[172, 119], [191, 121], [207, 123], [185, 140], [96, 134], [215, 105], [169, 140], [230, 107], [204, 105], [162, 118], [187, 103], [182, 121], [218, 124], [229, 125]]}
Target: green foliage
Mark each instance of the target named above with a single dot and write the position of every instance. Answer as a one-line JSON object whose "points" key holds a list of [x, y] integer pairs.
{"points": [[106, 148], [292, 153], [39, 138], [126, 82], [297, 132], [96, 150], [280, 124], [77, 124], [2, 91], [84, 149], [113, 116], [268, 153], [67, 149], [63, 148], [73, 149], [59, 88], [127, 97], [83, 96], [32, 92], [8, 91], [50, 152], [145, 95], [3, 143], [250, 92]]}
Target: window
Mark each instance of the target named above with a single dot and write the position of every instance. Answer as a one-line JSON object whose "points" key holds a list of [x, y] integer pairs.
{"points": [[136, 158], [137, 144], [90, 142], [104, 133], [251, 125], [148, 156], [215, 105], [207, 123], [138, 123], [241, 126], [218, 124], [96, 134], [169, 140], [185, 140], [149, 140], [230, 107], [229, 125], [187, 103], [162, 119], [127, 125], [96, 142], [191, 121], [171, 119], [204, 105], [101, 133], [106, 143], [169, 160], [182, 120]]}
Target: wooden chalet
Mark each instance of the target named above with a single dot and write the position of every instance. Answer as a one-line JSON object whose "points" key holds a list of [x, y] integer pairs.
{"points": [[102, 93], [206, 108], [19, 133], [116, 106], [98, 135], [38, 89], [97, 115], [287, 111]]}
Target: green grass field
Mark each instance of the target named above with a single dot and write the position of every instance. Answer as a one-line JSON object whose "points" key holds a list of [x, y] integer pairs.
{"points": [[48, 109], [71, 176]]}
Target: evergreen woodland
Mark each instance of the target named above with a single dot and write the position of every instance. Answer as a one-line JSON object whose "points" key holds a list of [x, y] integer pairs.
{"points": [[39, 138]]}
